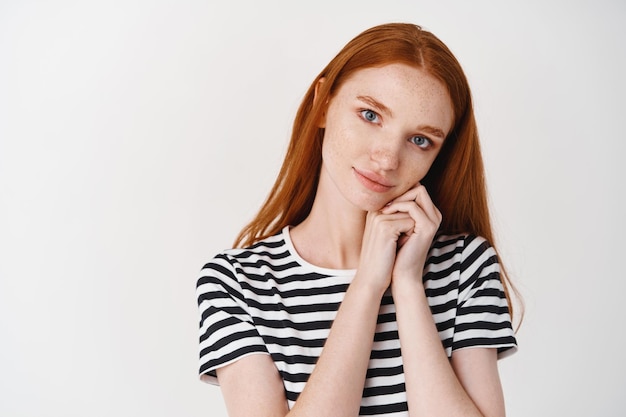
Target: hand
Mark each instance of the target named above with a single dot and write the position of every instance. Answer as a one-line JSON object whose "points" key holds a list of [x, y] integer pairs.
{"points": [[414, 244], [379, 247]]}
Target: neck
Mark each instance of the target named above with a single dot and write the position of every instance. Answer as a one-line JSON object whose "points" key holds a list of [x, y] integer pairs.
{"points": [[332, 233]]}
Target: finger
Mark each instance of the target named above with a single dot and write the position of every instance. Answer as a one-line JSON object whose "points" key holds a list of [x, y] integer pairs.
{"points": [[419, 210], [410, 207], [422, 224], [396, 223], [423, 200]]}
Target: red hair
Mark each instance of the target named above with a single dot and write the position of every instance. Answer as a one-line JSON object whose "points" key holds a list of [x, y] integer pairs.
{"points": [[456, 180]]}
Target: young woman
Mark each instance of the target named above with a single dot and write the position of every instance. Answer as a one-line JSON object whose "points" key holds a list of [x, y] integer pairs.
{"points": [[368, 283]]}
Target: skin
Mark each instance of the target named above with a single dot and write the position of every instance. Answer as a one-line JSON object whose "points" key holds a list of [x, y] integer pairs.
{"points": [[383, 129]]}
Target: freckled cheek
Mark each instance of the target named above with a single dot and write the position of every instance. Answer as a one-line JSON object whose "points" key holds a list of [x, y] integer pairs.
{"points": [[338, 145], [417, 170], [331, 154]]}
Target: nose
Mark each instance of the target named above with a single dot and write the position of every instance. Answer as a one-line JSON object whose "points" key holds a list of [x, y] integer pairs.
{"points": [[386, 154]]}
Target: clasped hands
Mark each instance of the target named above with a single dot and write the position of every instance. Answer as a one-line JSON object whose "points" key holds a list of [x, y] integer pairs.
{"points": [[397, 239]]}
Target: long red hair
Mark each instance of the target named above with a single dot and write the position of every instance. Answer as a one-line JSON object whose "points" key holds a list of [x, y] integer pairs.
{"points": [[456, 180]]}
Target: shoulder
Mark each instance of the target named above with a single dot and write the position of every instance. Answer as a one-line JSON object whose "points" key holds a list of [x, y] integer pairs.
{"points": [[473, 261], [461, 258], [272, 247], [462, 247], [230, 265], [463, 241]]}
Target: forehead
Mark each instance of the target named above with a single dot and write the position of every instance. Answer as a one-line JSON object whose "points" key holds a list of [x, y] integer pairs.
{"points": [[406, 90]]}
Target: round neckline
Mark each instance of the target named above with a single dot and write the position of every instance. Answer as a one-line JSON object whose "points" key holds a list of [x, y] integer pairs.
{"points": [[292, 249]]}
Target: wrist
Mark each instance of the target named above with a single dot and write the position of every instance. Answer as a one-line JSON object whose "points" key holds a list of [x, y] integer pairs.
{"points": [[368, 289], [407, 287]]}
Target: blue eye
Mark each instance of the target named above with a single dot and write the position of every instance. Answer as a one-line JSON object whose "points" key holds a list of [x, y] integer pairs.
{"points": [[421, 141], [369, 116]]}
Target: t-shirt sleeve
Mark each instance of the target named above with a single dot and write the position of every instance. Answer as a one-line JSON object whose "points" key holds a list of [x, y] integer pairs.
{"points": [[227, 332], [483, 317]]}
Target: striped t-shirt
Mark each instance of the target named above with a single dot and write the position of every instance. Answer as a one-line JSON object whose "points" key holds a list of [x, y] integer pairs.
{"points": [[265, 299]]}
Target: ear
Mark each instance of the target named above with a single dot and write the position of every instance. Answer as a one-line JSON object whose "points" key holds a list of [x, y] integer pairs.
{"points": [[318, 84]]}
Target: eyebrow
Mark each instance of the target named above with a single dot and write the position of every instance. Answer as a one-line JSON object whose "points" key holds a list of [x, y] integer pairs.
{"points": [[375, 103], [435, 131]]}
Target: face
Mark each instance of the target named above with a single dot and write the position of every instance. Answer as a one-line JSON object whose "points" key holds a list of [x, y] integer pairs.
{"points": [[383, 129]]}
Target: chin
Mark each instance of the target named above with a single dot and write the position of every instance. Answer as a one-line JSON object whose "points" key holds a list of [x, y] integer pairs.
{"points": [[371, 204]]}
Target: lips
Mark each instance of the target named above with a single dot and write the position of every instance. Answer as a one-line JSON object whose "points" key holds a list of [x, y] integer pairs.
{"points": [[372, 180]]}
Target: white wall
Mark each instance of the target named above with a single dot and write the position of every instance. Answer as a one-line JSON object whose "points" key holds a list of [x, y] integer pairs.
{"points": [[136, 138]]}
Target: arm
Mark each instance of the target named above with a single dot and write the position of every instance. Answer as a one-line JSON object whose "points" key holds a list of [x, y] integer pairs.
{"points": [[335, 387], [477, 371], [469, 384], [252, 386]]}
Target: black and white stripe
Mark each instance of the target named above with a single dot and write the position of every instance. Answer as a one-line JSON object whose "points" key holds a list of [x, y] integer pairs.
{"points": [[265, 299]]}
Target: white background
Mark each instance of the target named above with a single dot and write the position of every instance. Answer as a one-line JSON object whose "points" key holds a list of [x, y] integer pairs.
{"points": [[137, 137]]}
